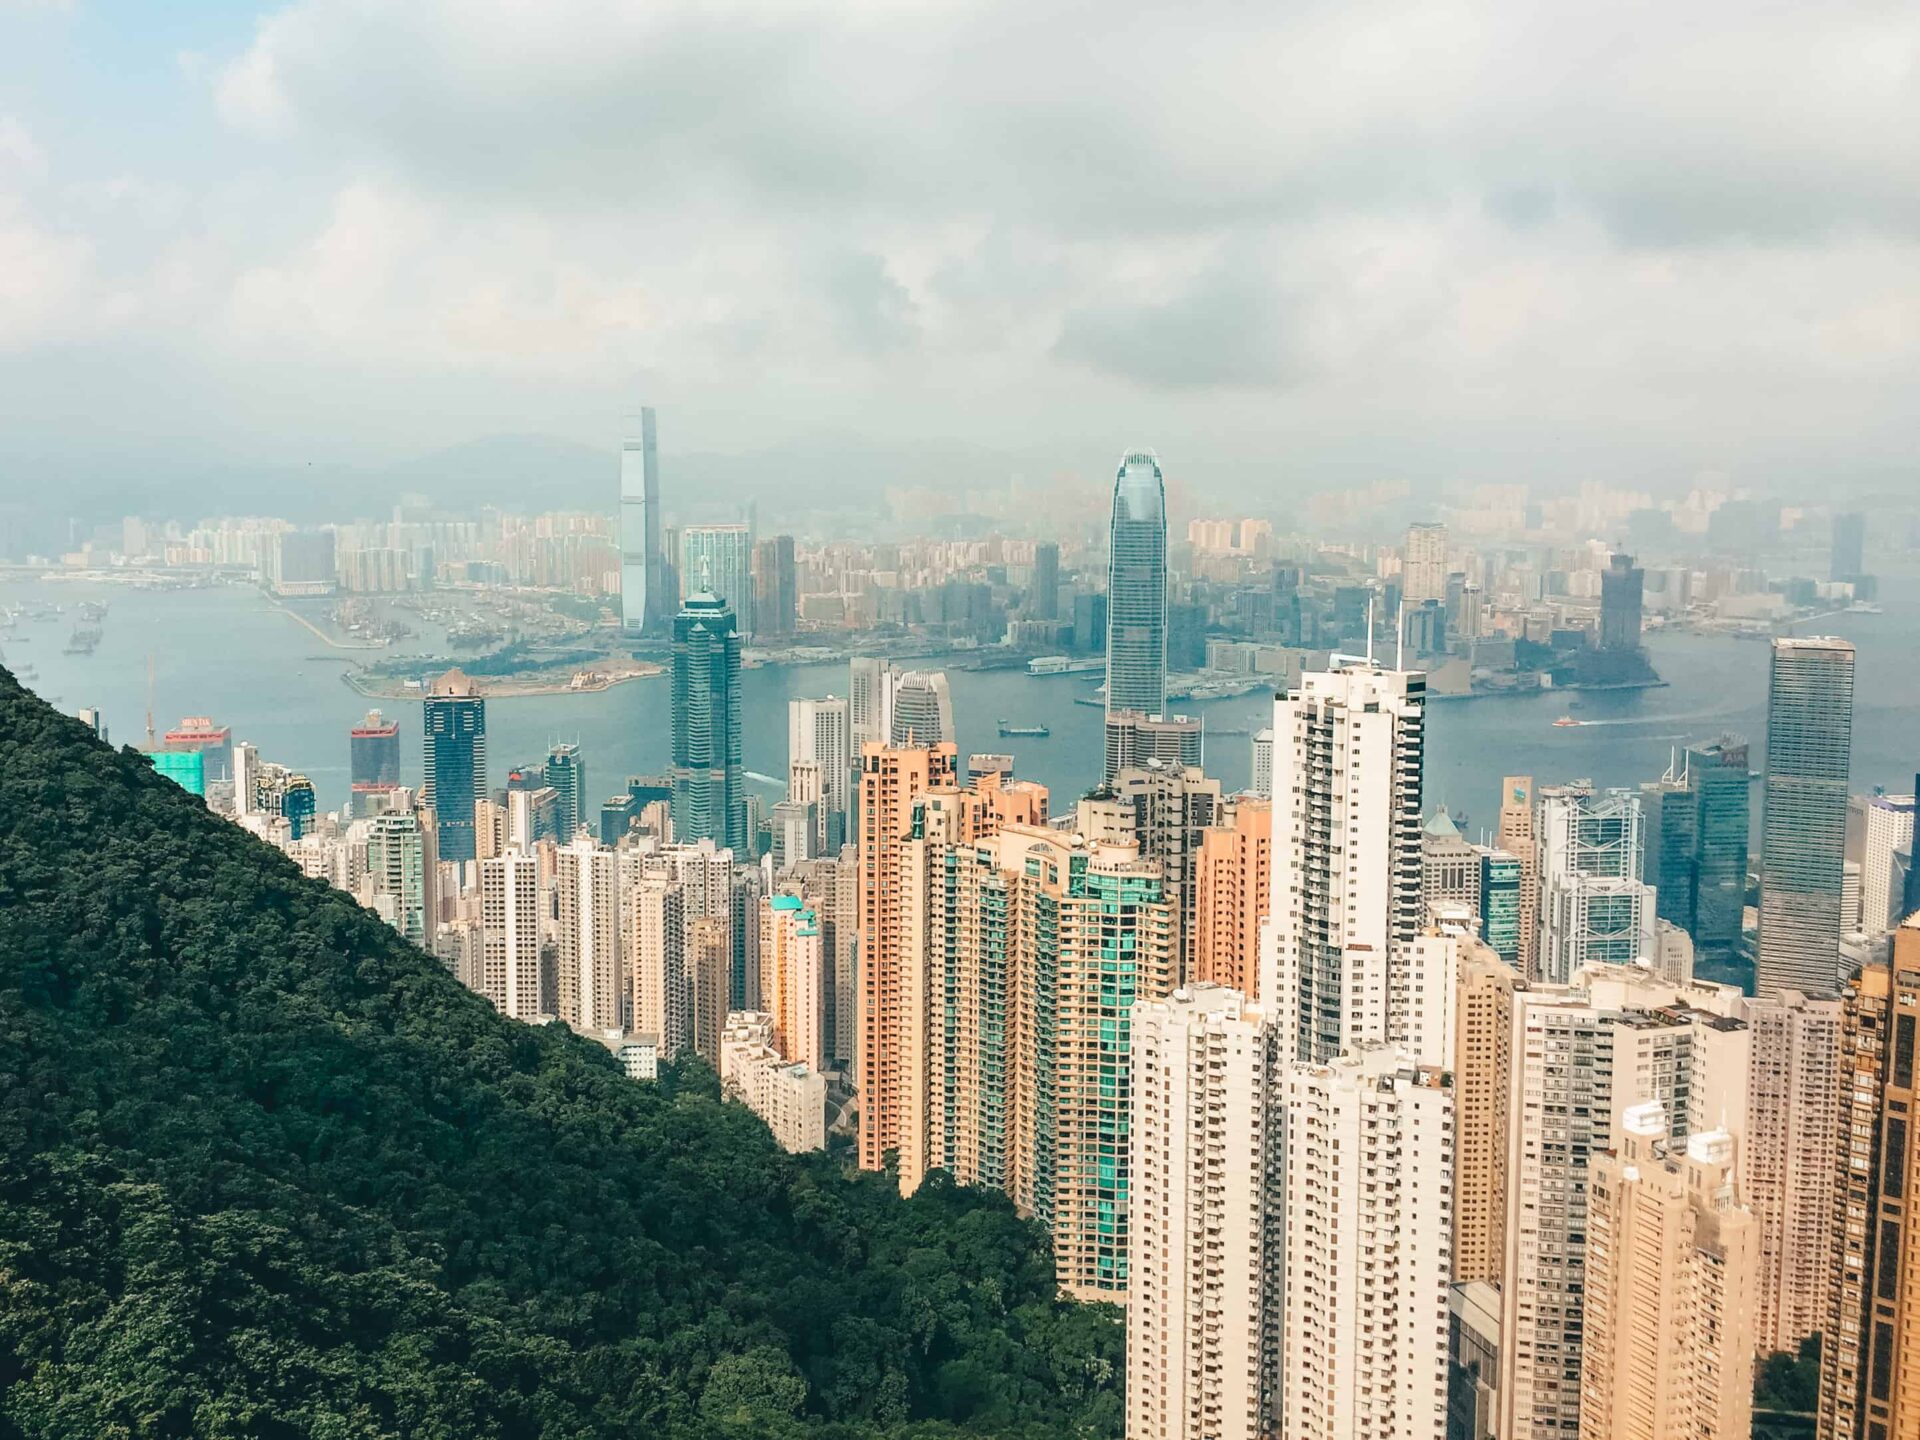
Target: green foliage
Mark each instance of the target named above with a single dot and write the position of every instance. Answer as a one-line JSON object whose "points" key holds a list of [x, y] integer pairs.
{"points": [[267, 1171], [1789, 1384]]}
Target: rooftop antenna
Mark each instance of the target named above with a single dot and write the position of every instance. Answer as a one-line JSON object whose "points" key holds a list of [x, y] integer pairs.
{"points": [[150, 700], [1400, 638], [1370, 598]]}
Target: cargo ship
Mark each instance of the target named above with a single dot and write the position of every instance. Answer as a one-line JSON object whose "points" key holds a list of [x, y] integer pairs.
{"points": [[1023, 731]]}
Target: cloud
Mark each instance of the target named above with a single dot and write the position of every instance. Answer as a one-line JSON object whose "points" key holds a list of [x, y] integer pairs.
{"points": [[1307, 217]]}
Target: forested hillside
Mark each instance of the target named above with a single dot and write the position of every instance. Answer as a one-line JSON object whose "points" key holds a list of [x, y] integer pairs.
{"points": [[265, 1170]]}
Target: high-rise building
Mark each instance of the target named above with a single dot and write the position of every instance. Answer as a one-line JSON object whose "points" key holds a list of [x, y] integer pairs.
{"points": [[1803, 829], [1234, 887], [1848, 558], [1789, 1162], [510, 914], [658, 964], [1449, 867], [892, 1060], [709, 966], [1502, 877], [1482, 1067], [1043, 593], [776, 589], [1671, 1272], [644, 602], [1205, 1147], [869, 703], [1594, 907], [1137, 588], [373, 753], [1423, 570], [793, 979], [214, 743], [1621, 587], [1165, 814], [454, 725], [591, 971], [1866, 1388], [1348, 749], [709, 785], [819, 732], [1882, 873], [921, 710], [401, 865], [1263, 763], [1134, 739], [1518, 839], [1717, 774], [1576, 1067], [1367, 1244], [716, 561], [566, 775]]}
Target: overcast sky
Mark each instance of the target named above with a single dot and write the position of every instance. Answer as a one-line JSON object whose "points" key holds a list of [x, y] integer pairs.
{"points": [[1463, 240]]}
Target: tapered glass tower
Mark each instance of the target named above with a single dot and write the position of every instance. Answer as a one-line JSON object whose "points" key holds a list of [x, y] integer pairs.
{"points": [[1137, 588], [642, 567]]}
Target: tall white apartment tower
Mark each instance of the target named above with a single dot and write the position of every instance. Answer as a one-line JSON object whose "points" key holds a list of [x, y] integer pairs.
{"points": [[1348, 746], [510, 926], [1203, 1302], [591, 968], [1368, 1249]]}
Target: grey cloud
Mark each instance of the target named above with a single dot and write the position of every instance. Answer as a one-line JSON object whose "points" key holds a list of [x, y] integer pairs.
{"points": [[1228, 329]]}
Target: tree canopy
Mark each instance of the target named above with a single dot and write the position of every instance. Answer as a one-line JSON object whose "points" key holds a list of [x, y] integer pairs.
{"points": [[266, 1170]]}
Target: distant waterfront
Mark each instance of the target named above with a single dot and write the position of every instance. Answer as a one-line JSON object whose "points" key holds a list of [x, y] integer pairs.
{"points": [[229, 653]]}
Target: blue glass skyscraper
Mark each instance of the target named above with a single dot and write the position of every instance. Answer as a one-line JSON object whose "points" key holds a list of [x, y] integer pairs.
{"points": [[455, 730], [709, 796]]}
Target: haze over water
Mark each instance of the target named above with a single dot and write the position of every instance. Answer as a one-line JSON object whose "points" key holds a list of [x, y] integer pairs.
{"points": [[227, 653]]}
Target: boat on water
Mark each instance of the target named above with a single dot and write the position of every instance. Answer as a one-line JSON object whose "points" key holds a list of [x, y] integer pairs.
{"points": [[82, 641], [1564, 722], [1024, 731]]}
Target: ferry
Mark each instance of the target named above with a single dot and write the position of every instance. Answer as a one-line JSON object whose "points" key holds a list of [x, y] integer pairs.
{"points": [[1039, 732], [1063, 665]]}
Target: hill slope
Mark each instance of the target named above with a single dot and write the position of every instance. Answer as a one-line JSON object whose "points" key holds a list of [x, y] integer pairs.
{"points": [[265, 1170]]}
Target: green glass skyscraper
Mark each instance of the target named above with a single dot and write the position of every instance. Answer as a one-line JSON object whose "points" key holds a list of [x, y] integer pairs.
{"points": [[709, 796], [1803, 832]]}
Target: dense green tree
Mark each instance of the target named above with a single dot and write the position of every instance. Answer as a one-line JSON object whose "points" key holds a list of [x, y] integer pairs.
{"points": [[267, 1171]]}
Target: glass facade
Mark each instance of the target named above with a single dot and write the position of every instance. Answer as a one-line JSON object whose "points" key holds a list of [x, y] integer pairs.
{"points": [[641, 573], [454, 726], [1803, 829], [566, 774], [709, 795], [1500, 879], [1137, 588]]}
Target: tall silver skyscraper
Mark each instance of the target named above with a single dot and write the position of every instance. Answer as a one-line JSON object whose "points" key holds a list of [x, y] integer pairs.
{"points": [[643, 602], [1137, 588], [1803, 832]]}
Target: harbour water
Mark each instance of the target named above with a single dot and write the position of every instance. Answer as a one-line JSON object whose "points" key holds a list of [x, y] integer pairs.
{"points": [[227, 652]]}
